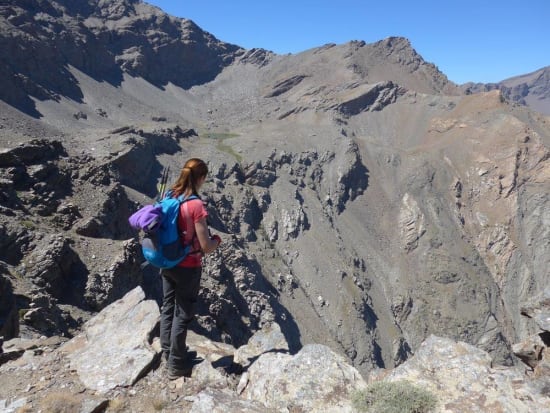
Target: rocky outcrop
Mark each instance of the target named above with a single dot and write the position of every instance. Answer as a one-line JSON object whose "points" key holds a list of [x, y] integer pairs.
{"points": [[367, 98], [285, 85], [37, 168], [114, 348], [124, 36], [535, 350], [411, 223], [509, 181], [463, 379], [531, 89], [337, 178], [293, 381], [408, 68], [50, 265], [225, 401], [116, 358], [269, 339], [123, 275]]}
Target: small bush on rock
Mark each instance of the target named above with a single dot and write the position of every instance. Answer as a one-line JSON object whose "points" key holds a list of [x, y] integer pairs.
{"points": [[58, 402], [393, 397]]}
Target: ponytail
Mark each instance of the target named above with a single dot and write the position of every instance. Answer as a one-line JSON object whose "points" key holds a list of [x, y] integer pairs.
{"points": [[193, 170]]}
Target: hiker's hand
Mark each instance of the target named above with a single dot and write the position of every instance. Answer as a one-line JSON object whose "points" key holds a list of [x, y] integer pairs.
{"points": [[217, 238]]}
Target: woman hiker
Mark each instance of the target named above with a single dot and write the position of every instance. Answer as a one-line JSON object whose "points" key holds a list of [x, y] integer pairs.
{"points": [[180, 285]]}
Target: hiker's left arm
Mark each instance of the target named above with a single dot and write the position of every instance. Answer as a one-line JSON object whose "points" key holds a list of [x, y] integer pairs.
{"points": [[207, 244]]}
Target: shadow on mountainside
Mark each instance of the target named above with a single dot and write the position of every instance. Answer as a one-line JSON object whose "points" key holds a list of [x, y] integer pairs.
{"points": [[227, 308], [39, 52]]}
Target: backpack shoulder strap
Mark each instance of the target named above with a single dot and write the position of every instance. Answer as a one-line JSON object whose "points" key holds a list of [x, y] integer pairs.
{"points": [[188, 218]]}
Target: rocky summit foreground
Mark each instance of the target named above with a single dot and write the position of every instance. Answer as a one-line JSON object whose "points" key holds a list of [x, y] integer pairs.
{"points": [[371, 209], [114, 365]]}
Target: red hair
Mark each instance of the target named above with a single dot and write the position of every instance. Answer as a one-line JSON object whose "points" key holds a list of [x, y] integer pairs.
{"points": [[193, 170]]}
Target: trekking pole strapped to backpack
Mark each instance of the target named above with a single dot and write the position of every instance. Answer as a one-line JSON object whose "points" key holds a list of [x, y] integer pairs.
{"points": [[161, 189]]}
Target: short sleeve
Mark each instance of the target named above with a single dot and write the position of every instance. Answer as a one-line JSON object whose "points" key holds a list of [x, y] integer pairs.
{"points": [[197, 210]]}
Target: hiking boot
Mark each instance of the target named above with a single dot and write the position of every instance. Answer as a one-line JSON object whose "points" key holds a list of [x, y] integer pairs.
{"points": [[174, 374]]}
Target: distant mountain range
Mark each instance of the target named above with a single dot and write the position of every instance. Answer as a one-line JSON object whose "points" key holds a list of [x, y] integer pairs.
{"points": [[532, 89], [41, 39]]}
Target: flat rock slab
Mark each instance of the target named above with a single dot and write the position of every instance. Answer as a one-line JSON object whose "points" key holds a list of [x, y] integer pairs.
{"points": [[224, 401], [113, 348]]}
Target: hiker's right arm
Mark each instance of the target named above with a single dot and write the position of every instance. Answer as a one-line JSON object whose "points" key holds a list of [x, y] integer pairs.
{"points": [[207, 244]]}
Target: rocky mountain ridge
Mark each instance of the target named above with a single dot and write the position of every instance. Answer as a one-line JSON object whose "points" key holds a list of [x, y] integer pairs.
{"points": [[364, 203], [530, 89]]}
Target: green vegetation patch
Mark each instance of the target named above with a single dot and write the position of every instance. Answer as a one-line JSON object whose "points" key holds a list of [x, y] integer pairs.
{"points": [[394, 397], [220, 137], [27, 224]]}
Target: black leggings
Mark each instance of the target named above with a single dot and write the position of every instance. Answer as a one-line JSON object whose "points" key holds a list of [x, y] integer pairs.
{"points": [[180, 288]]}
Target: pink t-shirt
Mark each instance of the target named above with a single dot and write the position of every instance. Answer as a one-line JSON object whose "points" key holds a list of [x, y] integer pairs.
{"points": [[190, 213]]}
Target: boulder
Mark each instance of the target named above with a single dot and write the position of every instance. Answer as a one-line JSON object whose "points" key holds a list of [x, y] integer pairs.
{"points": [[268, 339], [114, 347], [316, 379], [535, 350], [463, 379]]}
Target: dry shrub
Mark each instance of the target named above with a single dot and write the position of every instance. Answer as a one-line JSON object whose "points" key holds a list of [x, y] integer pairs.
{"points": [[117, 405], [24, 409], [60, 403], [391, 397], [159, 404]]}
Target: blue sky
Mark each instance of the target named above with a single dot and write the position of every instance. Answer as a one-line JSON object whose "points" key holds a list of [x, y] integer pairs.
{"points": [[468, 40]]}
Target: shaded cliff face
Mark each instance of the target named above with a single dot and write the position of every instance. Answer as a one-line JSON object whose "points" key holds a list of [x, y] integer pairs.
{"points": [[41, 40], [363, 202]]}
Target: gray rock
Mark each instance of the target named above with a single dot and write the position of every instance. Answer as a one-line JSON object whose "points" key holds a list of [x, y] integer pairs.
{"points": [[217, 355], [113, 349], [33, 152], [530, 351], [314, 380], [12, 406], [206, 376], [344, 145], [268, 339], [94, 405], [49, 265], [411, 223], [225, 401], [463, 379], [535, 350], [122, 275], [368, 98], [538, 308], [45, 316]]}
